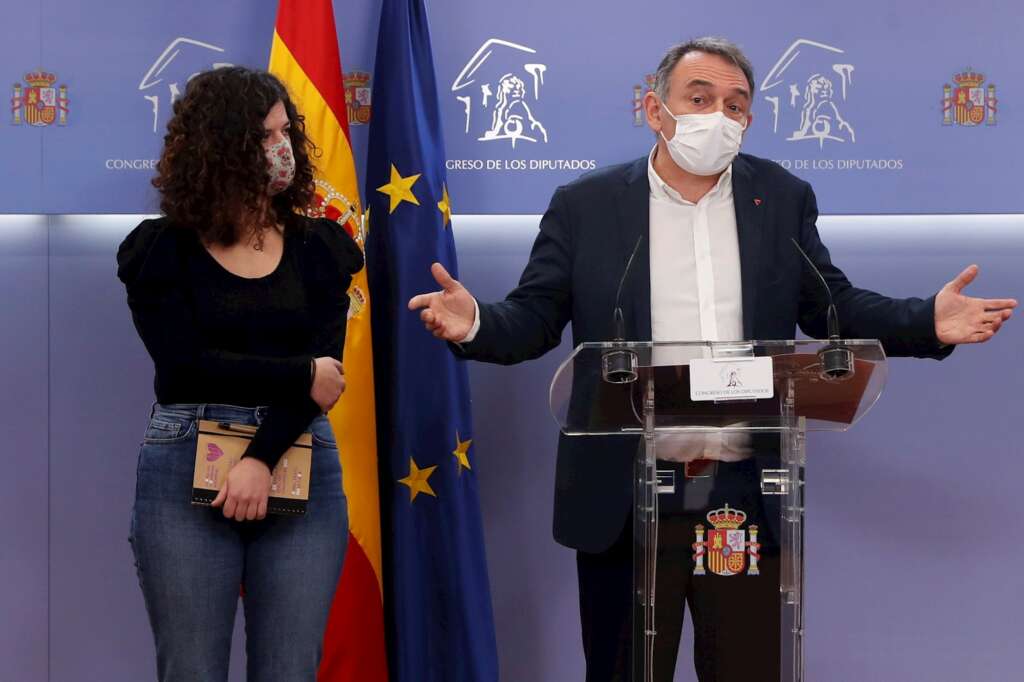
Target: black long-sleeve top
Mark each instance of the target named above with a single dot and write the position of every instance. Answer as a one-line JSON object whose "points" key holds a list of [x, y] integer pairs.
{"points": [[216, 337]]}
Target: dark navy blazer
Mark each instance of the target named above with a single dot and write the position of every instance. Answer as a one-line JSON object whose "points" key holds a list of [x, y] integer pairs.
{"points": [[586, 237]]}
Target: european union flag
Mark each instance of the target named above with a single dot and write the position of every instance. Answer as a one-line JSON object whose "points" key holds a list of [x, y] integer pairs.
{"points": [[436, 591]]}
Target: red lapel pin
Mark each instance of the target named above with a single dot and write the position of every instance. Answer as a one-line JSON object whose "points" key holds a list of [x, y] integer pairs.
{"points": [[757, 202]]}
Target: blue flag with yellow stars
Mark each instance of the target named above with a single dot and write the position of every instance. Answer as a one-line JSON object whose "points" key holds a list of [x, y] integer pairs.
{"points": [[436, 593]]}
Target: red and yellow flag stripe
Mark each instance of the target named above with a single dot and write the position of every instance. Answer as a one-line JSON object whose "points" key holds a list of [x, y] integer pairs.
{"points": [[305, 56]]}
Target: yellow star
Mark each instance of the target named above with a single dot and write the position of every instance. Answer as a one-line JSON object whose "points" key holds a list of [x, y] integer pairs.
{"points": [[461, 451], [445, 205], [417, 480], [400, 189]]}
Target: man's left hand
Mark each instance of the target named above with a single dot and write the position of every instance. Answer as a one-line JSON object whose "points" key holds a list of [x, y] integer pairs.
{"points": [[963, 319]]}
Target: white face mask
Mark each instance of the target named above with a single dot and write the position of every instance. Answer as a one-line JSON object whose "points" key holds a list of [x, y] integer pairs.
{"points": [[281, 166], [704, 144]]}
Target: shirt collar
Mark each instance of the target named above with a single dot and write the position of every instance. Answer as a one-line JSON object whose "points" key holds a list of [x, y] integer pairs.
{"points": [[661, 190]]}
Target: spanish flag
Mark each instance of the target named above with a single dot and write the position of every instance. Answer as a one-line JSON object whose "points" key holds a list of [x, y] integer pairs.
{"points": [[305, 56]]}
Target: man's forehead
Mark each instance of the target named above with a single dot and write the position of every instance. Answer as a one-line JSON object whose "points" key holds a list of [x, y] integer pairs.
{"points": [[712, 68]]}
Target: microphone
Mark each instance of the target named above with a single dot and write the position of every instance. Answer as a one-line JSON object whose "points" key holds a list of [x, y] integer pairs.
{"points": [[836, 359], [619, 366]]}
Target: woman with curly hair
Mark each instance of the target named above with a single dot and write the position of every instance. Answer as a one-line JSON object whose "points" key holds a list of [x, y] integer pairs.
{"points": [[241, 301]]}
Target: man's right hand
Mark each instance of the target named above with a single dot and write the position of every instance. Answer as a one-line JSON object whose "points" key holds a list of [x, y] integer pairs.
{"points": [[328, 383], [448, 314]]}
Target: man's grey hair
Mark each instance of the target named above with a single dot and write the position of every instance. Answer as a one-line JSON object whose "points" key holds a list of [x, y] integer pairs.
{"points": [[707, 45]]}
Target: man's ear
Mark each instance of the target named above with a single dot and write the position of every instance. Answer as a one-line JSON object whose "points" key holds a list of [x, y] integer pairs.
{"points": [[653, 111]]}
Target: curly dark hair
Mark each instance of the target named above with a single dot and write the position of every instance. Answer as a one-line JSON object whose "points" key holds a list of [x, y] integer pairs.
{"points": [[213, 167]]}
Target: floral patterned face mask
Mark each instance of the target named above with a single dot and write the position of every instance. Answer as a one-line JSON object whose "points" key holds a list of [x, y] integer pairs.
{"points": [[280, 166]]}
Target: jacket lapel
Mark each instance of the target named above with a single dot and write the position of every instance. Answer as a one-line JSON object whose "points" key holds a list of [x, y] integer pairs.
{"points": [[633, 213], [749, 203]]}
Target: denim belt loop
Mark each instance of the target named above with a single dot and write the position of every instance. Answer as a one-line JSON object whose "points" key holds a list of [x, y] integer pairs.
{"points": [[200, 411]]}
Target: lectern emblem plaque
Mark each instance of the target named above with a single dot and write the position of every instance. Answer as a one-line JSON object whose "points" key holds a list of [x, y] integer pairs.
{"points": [[726, 549]]}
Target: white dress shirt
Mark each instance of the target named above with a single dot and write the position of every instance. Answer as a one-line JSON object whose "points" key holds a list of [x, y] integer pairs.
{"points": [[696, 291]]}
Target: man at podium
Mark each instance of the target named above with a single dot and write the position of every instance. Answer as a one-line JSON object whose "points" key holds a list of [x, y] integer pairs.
{"points": [[712, 230]]}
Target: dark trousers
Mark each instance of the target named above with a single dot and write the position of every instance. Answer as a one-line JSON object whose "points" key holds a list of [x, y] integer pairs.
{"points": [[736, 618]]}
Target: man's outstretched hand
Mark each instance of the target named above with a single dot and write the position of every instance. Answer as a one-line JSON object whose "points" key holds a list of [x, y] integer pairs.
{"points": [[963, 319], [448, 314]]}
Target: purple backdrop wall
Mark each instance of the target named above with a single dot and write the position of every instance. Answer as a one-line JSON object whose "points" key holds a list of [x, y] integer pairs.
{"points": [[24, 506], [874, 76]]}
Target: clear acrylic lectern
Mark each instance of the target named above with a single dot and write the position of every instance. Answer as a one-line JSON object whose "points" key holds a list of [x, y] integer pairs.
{"points": [[719, 469]]}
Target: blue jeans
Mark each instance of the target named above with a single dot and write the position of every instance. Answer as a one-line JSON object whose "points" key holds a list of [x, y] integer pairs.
{"points": [[192, 561]]}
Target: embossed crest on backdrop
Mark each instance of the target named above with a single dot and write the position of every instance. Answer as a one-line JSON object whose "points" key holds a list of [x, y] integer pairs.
{"points": [[37, 102]]}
